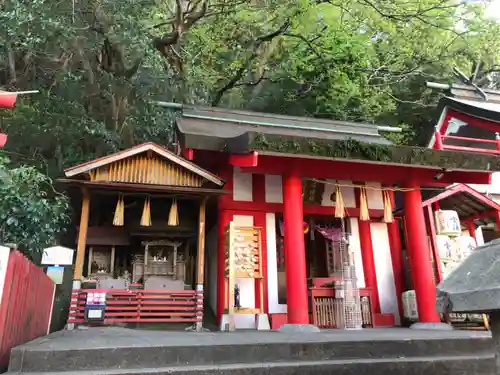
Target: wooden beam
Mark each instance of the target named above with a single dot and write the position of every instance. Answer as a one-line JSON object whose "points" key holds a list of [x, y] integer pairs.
{"points": [[463, 188], [432, 234], [200, 274], [89, 261], [188, 154], [146, 188], [82, 234], [351, 170], [244, 160], [112, 266], [481, 216]]}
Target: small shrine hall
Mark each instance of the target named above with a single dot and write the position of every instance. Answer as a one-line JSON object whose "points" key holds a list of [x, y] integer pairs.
{"points": [[300, 220]]}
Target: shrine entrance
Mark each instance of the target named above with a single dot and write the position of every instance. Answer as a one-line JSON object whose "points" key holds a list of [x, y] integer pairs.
{"points": [[338, 296], [141, 237]]}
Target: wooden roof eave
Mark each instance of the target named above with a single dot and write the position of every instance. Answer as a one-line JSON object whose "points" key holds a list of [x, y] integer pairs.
{"points": [[148, 146], [144, 188]]}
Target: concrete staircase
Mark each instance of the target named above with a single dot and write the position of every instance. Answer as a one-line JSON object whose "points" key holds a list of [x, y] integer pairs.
{"points": [[248, 353]]}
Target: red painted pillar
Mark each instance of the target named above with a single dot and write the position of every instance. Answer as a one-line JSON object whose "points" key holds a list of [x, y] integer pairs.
{"points": [[368, 259], [420, 256], [397, 262], [472, 230], [365, 241], [438, 144], [224, 219], [295, 252]]}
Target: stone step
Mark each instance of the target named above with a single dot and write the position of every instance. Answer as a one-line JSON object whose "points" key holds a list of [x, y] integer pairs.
{"points": [[230, 349], [442, 365]]}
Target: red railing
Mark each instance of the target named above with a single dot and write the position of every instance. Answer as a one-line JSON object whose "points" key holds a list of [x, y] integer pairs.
{"points": [[25, 306], [141, 306], [440, 145]]}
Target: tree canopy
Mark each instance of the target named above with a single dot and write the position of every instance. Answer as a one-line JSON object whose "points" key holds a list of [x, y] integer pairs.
{"points": [[32, 213], [100, 64]]}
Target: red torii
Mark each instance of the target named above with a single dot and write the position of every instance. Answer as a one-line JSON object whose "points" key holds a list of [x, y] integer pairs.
{"points": [[8, 100]]}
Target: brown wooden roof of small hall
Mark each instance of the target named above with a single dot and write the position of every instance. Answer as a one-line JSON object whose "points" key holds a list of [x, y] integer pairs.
{"points": [[147, 166]]}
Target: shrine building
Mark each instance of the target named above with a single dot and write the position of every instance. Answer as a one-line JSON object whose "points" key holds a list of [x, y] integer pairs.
{"points": [[334, 210]]}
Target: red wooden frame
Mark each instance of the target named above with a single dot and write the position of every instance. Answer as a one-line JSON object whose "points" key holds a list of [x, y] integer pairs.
{"points": [[440, 134], [462, 188], [308, 209], [434, 201], [142, 306], [345, 170], [244, 160], [435, 252], [398, 268], [483, 215], [188, 154]]}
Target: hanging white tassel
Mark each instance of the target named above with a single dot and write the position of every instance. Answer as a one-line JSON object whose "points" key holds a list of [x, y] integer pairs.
{"points": [[146, 214], [364, 214], [118, 219], [388, 217], [173, 216], [339, 203]]}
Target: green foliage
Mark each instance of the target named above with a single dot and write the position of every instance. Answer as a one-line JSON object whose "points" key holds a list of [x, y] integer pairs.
{"points": [[99, 65], [32, 214]]}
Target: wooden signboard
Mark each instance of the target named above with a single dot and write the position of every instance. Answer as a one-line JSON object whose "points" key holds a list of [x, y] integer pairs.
{"points": [[243, 260]]}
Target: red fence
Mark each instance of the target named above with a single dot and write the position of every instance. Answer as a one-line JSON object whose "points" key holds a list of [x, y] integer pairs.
{"points": [[441, 145], [26, 304], [142, 306]]}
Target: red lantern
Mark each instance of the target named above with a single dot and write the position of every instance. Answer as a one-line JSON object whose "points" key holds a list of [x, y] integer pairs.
{"points": [[3, 139], [7, 100]]}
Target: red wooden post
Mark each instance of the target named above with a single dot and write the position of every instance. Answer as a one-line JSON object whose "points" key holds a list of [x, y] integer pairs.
{"points": [[435, 250], [438, 145], [224, 220], [420, 256], [397, 262], [365, 240], [497, 217], [295, 252], [472, 230], [367, 256]]}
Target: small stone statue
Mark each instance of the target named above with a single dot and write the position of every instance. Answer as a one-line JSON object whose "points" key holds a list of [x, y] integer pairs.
{"points": [[237, 296]]}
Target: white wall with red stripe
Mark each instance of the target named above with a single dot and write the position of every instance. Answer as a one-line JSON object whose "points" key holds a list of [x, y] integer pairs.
{"points": [[244, 190]]}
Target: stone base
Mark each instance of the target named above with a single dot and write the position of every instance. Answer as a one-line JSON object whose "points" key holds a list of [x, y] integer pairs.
{"points": [[432, 326], [299, 328], [381, 351], [262, 322], [227, 323], [259, 322]]}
